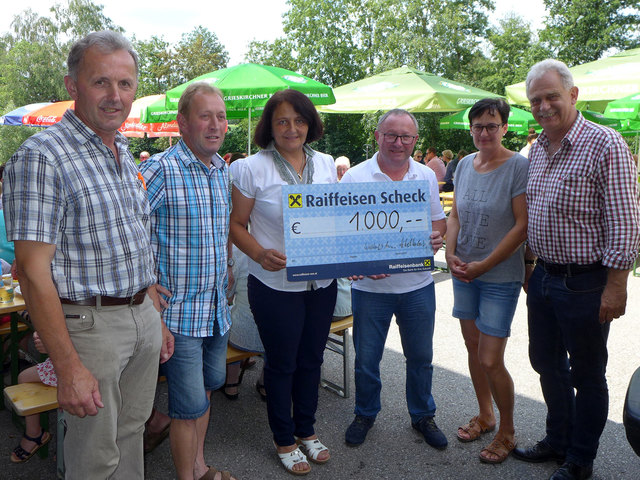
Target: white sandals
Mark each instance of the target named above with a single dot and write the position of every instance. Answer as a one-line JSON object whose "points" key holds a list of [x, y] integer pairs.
{"points": [[290, 459], [313, 448]]}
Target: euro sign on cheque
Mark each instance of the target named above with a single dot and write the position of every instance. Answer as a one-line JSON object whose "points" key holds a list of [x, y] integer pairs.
{"points": [[343, 229]]}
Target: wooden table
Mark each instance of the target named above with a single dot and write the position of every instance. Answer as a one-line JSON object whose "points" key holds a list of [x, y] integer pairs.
{"points": [[12, 308]]}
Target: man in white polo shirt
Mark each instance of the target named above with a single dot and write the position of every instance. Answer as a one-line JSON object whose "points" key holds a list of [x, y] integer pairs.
{"points": [[408, 296]]}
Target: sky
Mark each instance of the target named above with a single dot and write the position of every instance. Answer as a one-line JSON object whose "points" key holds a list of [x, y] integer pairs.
{"points": [[235, 22]]}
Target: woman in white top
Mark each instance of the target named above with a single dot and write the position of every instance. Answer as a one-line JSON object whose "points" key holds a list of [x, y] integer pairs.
{"points": [[293, 318]]}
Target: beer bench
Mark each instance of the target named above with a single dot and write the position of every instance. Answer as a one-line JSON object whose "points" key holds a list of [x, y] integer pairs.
{"points": [[338, 342]]}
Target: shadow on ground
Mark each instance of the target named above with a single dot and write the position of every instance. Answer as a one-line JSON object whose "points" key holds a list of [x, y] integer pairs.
{"points": [[239, 438]]}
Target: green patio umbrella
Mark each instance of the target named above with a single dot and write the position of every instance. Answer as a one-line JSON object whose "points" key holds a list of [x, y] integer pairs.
{"points": [[406, 88], [627, 107], [598, 82], [519, 121], [247, 88], [602, 119]]}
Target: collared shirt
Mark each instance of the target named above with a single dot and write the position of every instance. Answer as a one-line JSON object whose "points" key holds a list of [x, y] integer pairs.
{"points": [[583, 200], [64, 187], [437, 165], [369, 171], [258, 178], [189, 233]]}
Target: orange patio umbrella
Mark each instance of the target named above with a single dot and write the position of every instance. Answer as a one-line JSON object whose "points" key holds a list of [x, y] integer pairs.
{"points": [[48, 115], [52, 113]]}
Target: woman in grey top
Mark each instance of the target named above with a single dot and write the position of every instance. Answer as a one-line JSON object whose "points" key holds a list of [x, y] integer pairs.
{"points": [[485, 253]]}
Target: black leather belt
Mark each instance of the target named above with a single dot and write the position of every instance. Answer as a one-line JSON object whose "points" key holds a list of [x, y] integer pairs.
{"points": [[568, 269], [106, 301]]}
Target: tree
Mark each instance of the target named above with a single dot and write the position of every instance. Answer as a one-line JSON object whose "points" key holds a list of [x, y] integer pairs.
{"points": [[580, 31], [276, 54], [162, 67], [32, 60], [199, 52], [512, 49], [155, 62], [340, 41]]}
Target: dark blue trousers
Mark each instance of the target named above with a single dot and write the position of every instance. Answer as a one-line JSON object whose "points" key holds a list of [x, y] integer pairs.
{"points": [[293, 327], [568, 348]]}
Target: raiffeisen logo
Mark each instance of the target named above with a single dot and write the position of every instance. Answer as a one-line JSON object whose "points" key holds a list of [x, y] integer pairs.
{"points": [[295, 79], [452, 86]]}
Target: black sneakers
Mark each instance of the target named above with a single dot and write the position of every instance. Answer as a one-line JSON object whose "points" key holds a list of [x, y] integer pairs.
{"points": [[357, 431], [432, 434]]}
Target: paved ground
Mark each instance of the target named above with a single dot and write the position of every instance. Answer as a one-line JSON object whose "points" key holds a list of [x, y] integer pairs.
{"points": [[239, 437]]}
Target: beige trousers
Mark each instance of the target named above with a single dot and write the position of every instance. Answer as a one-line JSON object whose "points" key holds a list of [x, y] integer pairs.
{"points": [[121, 347]]}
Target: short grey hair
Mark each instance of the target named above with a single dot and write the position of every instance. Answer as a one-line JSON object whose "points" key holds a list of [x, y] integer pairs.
{"points": [[106, 41], [541, 68], [397, 111], [184, 104]]}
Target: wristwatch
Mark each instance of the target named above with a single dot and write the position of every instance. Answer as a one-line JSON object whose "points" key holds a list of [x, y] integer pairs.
{"points": [[230, 262]]}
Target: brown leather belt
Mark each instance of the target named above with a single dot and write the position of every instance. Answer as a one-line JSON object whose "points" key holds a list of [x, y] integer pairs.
{"points": [[106, 301]]}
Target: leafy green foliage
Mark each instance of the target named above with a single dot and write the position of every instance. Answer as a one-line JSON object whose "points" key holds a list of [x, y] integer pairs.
{"points": [[333, 41], [163, 67], [512, 49], [580, 31]]}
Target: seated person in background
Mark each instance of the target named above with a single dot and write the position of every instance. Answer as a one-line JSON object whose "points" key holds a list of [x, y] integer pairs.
{"points": [[532, 137], [447, 157], [451, 170], [343, 300], [34, 436], [342, 165], [435, 163], [243, 334]]}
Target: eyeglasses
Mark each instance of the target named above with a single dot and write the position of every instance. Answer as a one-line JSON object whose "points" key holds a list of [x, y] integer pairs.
{"points": [[405, 139], [491, 127]]}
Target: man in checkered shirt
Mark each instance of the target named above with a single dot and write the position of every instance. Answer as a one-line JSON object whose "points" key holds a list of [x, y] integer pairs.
{"points": [[188, 188], [76, 208], [584, 229]]}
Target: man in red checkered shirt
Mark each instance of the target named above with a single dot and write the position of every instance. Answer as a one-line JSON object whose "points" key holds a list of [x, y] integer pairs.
{"points": [[584, 229]]}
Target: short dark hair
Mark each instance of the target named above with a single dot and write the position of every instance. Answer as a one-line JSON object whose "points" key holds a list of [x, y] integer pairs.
{"points": [[491, 105], [462, 153], [432, 150], [301, 104]]}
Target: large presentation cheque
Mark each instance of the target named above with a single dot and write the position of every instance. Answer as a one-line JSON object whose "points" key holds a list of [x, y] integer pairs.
{"points": [[342, 229]]}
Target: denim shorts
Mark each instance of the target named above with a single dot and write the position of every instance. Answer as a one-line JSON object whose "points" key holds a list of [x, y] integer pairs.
{"points": [[198, 365], [491, 305]]}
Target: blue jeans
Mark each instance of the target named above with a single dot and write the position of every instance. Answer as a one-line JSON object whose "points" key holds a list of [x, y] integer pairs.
{"points": [[568, 349], [491, 304], [415, 315], [294, 327], [197, 366]]}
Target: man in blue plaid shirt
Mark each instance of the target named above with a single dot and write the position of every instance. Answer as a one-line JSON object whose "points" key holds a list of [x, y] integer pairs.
{"points": [[188, 189]]}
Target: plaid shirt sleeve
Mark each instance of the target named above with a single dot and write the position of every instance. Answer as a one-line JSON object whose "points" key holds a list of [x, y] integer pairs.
{"points": [[621, 210], [154, 178], [33, 198]]}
